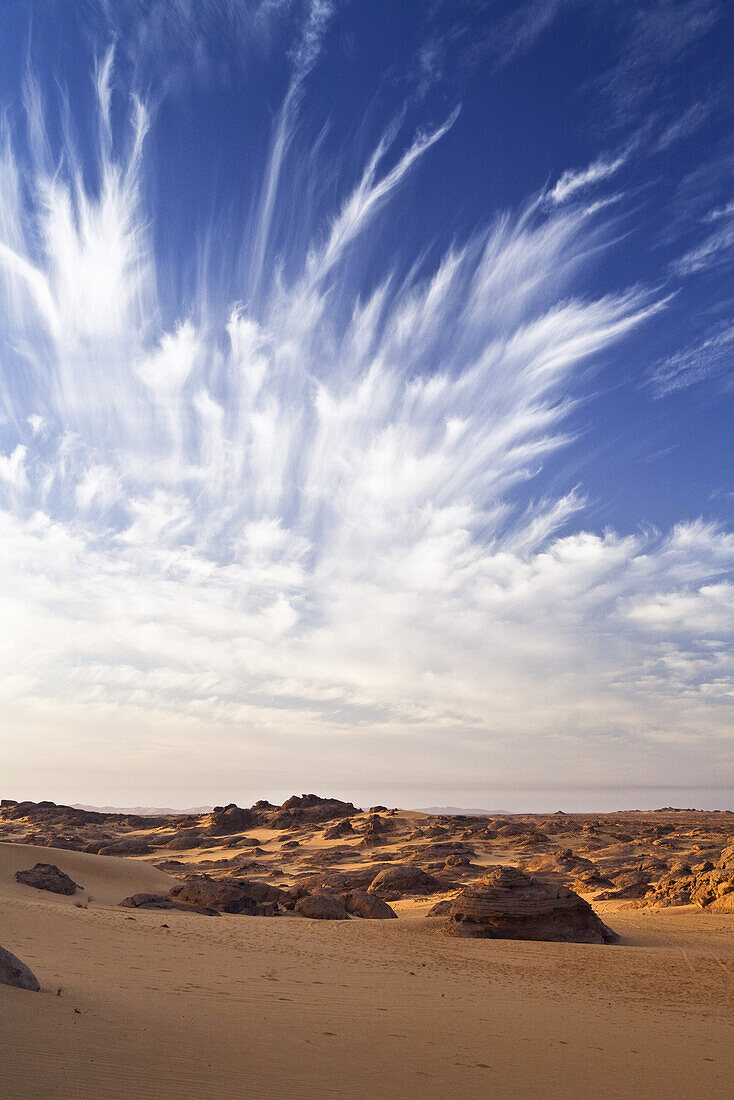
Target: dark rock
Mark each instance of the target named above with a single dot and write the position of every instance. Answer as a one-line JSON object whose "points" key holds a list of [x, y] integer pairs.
{"points": [[225, 897], [128, 846], [311, 808], [341, 829], [159, 901], [46, 876], [259, 891], [231, 819]]}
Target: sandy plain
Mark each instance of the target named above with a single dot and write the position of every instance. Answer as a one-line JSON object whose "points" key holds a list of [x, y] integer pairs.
{"points": [[138, 1003]]}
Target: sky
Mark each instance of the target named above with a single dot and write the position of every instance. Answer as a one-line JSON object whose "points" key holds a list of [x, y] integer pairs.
{"points": [[366, 390]]}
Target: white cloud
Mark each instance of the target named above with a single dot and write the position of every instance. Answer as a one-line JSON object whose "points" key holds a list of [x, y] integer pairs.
{"points": [[13, 468], [709, 357], [716, 248], [297, 540], [576, 180]]}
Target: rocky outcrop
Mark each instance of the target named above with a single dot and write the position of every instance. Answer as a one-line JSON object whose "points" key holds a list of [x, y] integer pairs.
{"points": [[375, 831], [358, 878], [230, 819], [441, 908], [509, 904], [309, 809], [185, 841], [159, 901], [16, 973], [628, 885], [225, 897], [126, 846], [322, 907], [403, 879], [341, 829], [261, 892], [46, 876], [713, 886]]}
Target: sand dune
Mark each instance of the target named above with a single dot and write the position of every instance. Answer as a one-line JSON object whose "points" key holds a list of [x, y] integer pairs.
{"points": [[250, 1006], [106, 880]]}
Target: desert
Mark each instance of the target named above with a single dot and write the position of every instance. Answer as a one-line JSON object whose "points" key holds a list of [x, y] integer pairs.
{"points": [[366, 549], [301, 986]]}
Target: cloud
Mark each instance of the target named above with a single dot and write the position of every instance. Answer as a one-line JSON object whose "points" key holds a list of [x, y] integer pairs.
{"points": [[716, 249], [305, 56], [305, 541], [712, 356], [687, 123], [660, 34], [13, 469], [575, 180]]}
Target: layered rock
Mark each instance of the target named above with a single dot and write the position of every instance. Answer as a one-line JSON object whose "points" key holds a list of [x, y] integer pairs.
{"points": [[509, 904]]}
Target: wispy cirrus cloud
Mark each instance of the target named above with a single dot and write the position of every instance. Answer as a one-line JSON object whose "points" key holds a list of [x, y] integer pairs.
{"points": [[660, 34], [715, 249], [710, 357], [575, 181], [306, 538]]}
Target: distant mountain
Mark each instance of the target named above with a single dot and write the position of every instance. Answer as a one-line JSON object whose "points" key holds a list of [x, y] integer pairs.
{"points": [[458, 811], [144, 811]]}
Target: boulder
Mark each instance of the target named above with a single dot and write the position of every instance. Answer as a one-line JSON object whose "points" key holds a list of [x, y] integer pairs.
{"points": [[46, 876], [321, 907], [405, 878], [509, 904], [16, 973], [368, 906]]}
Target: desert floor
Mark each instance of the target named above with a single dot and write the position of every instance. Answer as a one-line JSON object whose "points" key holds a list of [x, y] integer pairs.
{"points": [[158, 1004]]}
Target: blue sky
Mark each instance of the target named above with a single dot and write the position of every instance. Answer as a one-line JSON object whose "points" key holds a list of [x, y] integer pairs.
{"points": [[365, 399]]}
